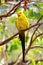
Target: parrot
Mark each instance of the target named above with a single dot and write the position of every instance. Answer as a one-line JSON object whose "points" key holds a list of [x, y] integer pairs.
{"points": [[22, 23]]}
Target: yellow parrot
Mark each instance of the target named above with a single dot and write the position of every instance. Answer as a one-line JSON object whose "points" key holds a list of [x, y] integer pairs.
{"points": [[22, 23]]}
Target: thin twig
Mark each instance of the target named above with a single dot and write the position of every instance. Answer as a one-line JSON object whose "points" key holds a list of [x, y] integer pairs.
{"points": [[14, 11], [9, 13], [29, 61], [37, 36], [35, 4], [14, 6], [36, 47], [36, 27]]}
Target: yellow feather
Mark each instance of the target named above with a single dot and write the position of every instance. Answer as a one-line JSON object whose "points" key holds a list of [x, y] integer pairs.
{"points": [[22, 21]]}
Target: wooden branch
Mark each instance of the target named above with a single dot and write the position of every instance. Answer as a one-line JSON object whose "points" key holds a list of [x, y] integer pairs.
{"points": [[36, 47], [36, 27], [33, 35], [29, 61], [7, 40], [15, 6], [9, 13], [35, 4], [13, 11], [37, 37]]}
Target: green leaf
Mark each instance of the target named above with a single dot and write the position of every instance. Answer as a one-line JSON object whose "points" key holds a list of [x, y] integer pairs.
{"points": [[14, 45], [12, 20], [26, 13], [33, 62], [39, 63], [40, 4]]}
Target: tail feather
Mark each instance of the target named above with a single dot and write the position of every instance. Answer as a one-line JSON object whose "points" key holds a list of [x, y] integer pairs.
{"points": [[22, 38]]}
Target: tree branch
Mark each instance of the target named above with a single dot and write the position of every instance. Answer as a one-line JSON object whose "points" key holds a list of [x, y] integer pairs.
{"points": [[36, 47], [33, 35], [7, 40], [37, 36], [9, 13]]}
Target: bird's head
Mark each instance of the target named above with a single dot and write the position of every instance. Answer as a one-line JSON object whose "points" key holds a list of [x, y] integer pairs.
{"points": [[19, 14]]}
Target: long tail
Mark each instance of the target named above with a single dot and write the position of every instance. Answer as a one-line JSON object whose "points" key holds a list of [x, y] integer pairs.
{"points": [[22, 38]]}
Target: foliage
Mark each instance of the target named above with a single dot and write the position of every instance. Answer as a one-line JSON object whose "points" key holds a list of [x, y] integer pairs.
{"points": [[40, 4], [33, 62], [12, 20], [14, 45]]}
